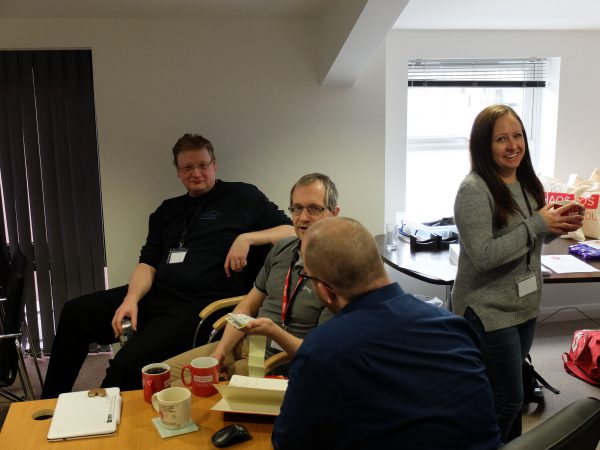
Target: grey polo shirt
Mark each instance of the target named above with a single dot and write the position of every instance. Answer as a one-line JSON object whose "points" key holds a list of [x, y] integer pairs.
{"points": [[306, 311]]}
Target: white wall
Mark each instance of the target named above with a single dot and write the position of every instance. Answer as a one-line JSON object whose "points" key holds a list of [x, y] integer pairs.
{"points": [[578, 113], [251, 87], [248, 85]]}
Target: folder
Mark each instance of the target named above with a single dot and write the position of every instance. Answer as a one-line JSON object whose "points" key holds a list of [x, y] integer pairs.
{"points": [[251, 395], [78, 415]]}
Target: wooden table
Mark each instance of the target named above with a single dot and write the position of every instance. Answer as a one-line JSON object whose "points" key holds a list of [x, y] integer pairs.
{"points": [[136, 431]]}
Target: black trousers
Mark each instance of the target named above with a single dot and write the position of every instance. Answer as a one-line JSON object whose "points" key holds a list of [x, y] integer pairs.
{"points": [[165, 329]]}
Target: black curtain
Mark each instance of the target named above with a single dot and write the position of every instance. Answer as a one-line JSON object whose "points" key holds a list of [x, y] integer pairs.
{"points": [[50, 178]]}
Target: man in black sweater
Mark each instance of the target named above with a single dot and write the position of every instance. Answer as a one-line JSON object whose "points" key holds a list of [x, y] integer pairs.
{"points": [[198, 250]]}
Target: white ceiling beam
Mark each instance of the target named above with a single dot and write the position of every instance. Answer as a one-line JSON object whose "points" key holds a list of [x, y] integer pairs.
{"points": [[350, 31]]}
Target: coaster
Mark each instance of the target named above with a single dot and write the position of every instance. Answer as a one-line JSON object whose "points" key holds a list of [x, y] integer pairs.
{"points": [[165, 432]]}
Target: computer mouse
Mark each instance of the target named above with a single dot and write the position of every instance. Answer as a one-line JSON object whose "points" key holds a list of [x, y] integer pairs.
{"points": [[229, 435]]}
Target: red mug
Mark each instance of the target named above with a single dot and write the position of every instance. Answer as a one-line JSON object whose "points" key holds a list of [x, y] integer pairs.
{"points": [[575, 209], [155, 378], [204, 373]]}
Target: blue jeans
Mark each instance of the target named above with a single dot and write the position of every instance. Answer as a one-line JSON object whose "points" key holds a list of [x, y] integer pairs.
{"points": [[507, 349]]}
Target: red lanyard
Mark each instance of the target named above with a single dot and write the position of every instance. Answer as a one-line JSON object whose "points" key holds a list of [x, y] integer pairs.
{"points": [[288, 299]]}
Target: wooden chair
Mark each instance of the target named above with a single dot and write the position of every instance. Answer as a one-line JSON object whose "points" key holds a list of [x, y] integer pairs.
{"points": [[220, 308], [211, 314]]}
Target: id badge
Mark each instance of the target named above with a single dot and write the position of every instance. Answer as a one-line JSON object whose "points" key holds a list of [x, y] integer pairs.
{"points": [[527, 284], [176, 255]]}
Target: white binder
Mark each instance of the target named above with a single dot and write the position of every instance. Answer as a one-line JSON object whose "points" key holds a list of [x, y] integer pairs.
{"points": [[77, 415]]}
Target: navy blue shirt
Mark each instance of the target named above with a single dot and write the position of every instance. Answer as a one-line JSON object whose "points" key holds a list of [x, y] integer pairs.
{"points": [[388, 371]]}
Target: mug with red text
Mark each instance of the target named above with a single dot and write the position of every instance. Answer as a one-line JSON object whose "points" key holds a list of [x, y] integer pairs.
{"points": [[575, 209], [155, 378], [174, 405], [204, 373]]}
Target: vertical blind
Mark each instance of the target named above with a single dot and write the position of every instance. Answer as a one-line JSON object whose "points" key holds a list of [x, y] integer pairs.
{"points": [[513, 72], [50, 179]]}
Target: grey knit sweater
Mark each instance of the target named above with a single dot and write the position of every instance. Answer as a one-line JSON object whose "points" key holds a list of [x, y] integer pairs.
{"points": [[493, 259]]}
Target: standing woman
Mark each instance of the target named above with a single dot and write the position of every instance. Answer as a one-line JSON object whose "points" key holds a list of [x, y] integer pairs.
{"points": [[502, 221]]}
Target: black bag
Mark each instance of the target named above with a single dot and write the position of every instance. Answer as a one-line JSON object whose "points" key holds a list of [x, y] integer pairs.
{"points": [[532, 390]]}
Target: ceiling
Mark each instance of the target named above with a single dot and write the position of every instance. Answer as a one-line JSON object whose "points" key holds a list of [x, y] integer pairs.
{"points": [[500, 15], [418, 14], [160, 8]]}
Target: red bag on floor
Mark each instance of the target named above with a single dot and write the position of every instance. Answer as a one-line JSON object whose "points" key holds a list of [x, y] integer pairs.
{"points": [[583, 359]]}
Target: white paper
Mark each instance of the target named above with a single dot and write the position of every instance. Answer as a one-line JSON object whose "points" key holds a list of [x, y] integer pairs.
{"points": [[566, 264], [434, 269], [257, 346], [275, 384], [251, 395]]}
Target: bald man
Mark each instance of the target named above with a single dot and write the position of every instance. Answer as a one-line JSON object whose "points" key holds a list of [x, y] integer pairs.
{"points": [[388, 370]]}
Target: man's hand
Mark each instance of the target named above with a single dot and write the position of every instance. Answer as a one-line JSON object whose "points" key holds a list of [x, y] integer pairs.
{"points": [[129, 309], [236, 259], [261, 326], [220, 357]]}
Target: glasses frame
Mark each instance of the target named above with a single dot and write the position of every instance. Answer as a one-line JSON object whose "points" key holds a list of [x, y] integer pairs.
{"points": [[304, 274], [296, 211], [189, 169]]}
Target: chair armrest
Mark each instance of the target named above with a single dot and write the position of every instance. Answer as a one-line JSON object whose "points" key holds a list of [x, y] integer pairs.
{"points": [[11, 335], [276, 360], [220, 323], [219, 304]]}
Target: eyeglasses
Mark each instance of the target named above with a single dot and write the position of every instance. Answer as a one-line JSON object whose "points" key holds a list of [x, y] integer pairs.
{"points": [[303, 274], [312, 210], [190, 168]]}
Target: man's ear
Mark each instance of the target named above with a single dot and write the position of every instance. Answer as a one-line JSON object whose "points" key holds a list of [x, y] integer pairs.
{"points": [[327, 294]]}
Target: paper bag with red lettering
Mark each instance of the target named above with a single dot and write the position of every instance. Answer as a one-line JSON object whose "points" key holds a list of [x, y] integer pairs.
{"points": [[584, 357], [557, 191], [589, 198]]}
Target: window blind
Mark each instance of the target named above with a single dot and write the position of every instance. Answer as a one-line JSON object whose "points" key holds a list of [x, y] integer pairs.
{"points": [[50, 179], [507, 72]]}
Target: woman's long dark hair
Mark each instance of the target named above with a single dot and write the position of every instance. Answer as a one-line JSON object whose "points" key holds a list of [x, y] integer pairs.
{"points": [[484, 165]]}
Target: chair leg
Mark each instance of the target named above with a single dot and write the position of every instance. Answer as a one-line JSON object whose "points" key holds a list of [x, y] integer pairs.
{"points": [[10, 396], [34, 353], [23, 375], [212, 335]]}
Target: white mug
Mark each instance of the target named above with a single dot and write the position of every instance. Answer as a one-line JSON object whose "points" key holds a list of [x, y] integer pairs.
{"points": [[175, 407]]}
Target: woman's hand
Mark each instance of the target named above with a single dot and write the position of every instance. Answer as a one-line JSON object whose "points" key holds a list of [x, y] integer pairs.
{"points": [[558, 221]]}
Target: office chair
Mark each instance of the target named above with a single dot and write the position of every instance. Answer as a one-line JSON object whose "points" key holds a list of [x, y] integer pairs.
{"points": [[575, 427], [12, 325]]}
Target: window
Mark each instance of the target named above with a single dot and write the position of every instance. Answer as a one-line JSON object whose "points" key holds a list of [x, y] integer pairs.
{"points": [[444, 96]]}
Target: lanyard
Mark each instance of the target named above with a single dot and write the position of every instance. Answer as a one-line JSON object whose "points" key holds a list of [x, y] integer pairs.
{"points": [[527, 201], [287, 300], [530, 215], [198, 206], [188, 222]]}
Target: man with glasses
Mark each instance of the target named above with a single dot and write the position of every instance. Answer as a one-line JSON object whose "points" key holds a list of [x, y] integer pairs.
{"points": [[283, 301], [388, 370], [198, 249]]}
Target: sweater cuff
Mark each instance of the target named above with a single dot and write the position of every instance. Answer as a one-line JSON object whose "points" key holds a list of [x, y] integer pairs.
{"points": [[539, 225]]}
